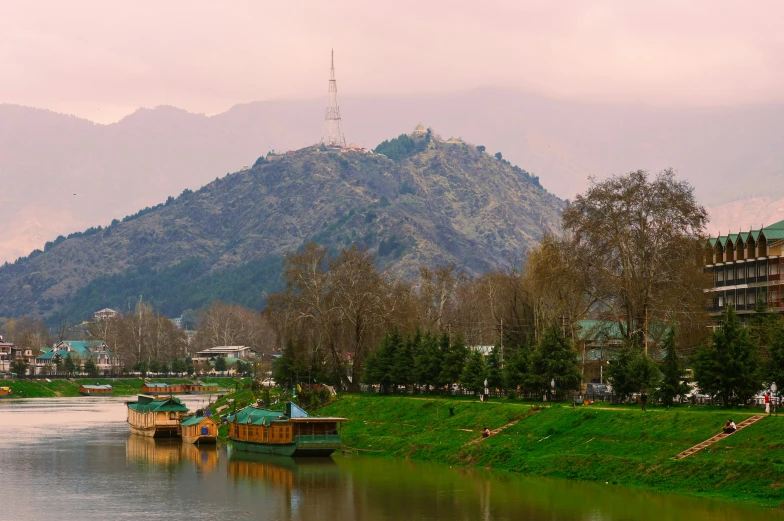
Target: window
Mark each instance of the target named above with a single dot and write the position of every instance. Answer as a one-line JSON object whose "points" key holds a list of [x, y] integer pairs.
{"points": [[721, 302], [773, 269], [750, 271], [731, 274], [741, 299], [720, 275], [761, 270]]}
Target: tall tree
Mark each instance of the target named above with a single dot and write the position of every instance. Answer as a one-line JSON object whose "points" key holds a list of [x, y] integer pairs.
{"points": [[641, 241], [729, 368], [554, 361], [89, 367], [632, 371], [495, 378], [474, 373], [672, 384], [427, 361]]}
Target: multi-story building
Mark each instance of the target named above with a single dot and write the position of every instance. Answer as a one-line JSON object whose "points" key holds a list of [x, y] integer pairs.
{"points": [[746, 268]]}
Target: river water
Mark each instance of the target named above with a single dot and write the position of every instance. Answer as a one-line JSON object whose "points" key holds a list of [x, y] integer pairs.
{"points": [[74, 459]]}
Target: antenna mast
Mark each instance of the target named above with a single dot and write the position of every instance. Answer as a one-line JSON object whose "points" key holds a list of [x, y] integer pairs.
{"points": [[332, 135]]}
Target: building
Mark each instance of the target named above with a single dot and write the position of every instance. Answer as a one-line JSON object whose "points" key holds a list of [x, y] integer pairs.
{"points": [[237, 352], [6, 357], [104, 314], [746, 268], [80, 350]]}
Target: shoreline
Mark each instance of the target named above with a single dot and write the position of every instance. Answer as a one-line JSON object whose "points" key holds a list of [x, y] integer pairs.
{"points": [[61, 387], [618, 445]]}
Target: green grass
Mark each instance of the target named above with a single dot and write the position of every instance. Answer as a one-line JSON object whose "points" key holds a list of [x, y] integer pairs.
{"points": [[122, 386], [619, 445]]}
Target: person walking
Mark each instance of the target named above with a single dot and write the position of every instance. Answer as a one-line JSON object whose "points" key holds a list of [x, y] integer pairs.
{"points": [[767, 403], [643, 400]]}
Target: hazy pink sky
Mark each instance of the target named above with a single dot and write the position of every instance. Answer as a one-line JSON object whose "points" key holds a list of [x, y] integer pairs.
{"points": [[101, 60]]}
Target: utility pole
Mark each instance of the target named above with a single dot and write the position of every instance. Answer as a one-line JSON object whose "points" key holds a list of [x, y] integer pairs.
{"points": [[645, 333], [139, 356], [332, 135]]}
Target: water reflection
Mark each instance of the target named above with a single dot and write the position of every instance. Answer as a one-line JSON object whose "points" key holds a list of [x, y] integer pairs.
{"points": [[82, 454]]}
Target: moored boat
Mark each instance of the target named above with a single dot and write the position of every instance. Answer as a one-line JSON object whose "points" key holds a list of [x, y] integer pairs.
{"points": [[156, 416], [201, 388], [5, 392], [199, 429], [163, 388], [289, 433], [96, 390]]}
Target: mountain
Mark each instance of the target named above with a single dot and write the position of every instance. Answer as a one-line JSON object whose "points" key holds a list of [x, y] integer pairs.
{"points": [[431, 202], [60, 173]]}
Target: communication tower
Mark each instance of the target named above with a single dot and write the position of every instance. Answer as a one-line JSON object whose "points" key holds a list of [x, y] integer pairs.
{"points": [[332, 135]]}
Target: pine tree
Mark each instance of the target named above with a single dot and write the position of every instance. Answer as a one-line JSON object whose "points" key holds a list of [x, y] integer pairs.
{"points": [[672, 384], [729, 369], [495, 378], [403, 363], [90, 367], [632, 372], [379, 366], [453, 359], [554, 361], [69, 364], [427, 361], [775, 367], [474, 373], [220, 364], [517, 367]]}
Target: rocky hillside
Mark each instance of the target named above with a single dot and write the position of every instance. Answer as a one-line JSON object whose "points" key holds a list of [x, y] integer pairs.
{"points": [[438, 202]]}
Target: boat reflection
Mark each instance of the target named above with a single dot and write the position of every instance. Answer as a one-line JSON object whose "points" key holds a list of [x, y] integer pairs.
{"points": [[281, 471], [152, 451], [205, 457]]}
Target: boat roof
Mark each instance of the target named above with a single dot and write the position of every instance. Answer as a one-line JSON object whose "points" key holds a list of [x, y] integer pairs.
{"points": [[157, 404], [156, 385], [97, 386], [195, 420], [255, 416]]}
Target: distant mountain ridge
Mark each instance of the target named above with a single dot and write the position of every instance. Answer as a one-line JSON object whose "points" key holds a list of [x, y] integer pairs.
{"points": [[61, 174], [446, 202]]}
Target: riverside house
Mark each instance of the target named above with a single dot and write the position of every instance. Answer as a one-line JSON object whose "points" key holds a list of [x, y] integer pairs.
{"points": [[80, 351]]}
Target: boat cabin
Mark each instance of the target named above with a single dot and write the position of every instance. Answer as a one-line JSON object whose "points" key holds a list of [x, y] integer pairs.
{"points": [[163, 388], [198, 429], [96, 390], [201, 388]]}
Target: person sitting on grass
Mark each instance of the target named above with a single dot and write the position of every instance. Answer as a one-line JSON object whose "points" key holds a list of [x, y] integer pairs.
{"points": [[485, 432], [730, 427]]}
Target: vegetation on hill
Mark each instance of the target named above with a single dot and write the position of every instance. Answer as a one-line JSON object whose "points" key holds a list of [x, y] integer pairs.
{"points": [[445, 203]]}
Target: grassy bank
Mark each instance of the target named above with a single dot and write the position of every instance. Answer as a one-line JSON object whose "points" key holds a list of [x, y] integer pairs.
{"points": [[122, 386], [618, 445]]}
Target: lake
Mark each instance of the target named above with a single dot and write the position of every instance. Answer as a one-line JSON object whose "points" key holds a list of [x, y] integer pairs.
{"points": [[74, 459]]}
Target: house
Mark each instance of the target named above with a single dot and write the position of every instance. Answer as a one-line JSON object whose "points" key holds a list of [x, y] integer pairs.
{"points": [[104, 314], [238, 352], [6, 358], [746, 269], [80, 350]]}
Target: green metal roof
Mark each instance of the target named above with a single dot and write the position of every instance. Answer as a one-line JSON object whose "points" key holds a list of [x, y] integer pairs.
{"points": [[150, 404], [156, 385], [98, 386], [254, 416], [194, 420]]}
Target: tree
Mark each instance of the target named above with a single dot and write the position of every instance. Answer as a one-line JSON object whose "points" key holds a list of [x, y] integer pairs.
{"points": [[69, 364], [517, 367], [499, 156], [554, 361], [427, 361], [632, 371], [179, 366], [641, 244], [220, 364], [57, 360], [729, 368], [20, 366], [403, 364], [481, 148], [453, 359], [672, 384], [380, 365], [89, 367], [474, 373], [495, 378]]}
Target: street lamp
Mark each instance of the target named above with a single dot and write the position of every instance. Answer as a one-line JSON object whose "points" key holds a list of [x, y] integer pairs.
{"points": [[552, 387], [773, 389]]}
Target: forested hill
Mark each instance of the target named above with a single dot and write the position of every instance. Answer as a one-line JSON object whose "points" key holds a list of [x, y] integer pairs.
{"points": [[430, 202]]}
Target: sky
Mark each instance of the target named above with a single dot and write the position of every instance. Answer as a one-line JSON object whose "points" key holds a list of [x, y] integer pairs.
{"points": [[102, 60]]}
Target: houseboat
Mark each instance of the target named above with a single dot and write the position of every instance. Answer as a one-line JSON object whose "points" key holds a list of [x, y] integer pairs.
{"points": [[5, 392], [198, 429], [96, 390], [289, 433], [201, 388], [163, 388], [156, 416]]}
